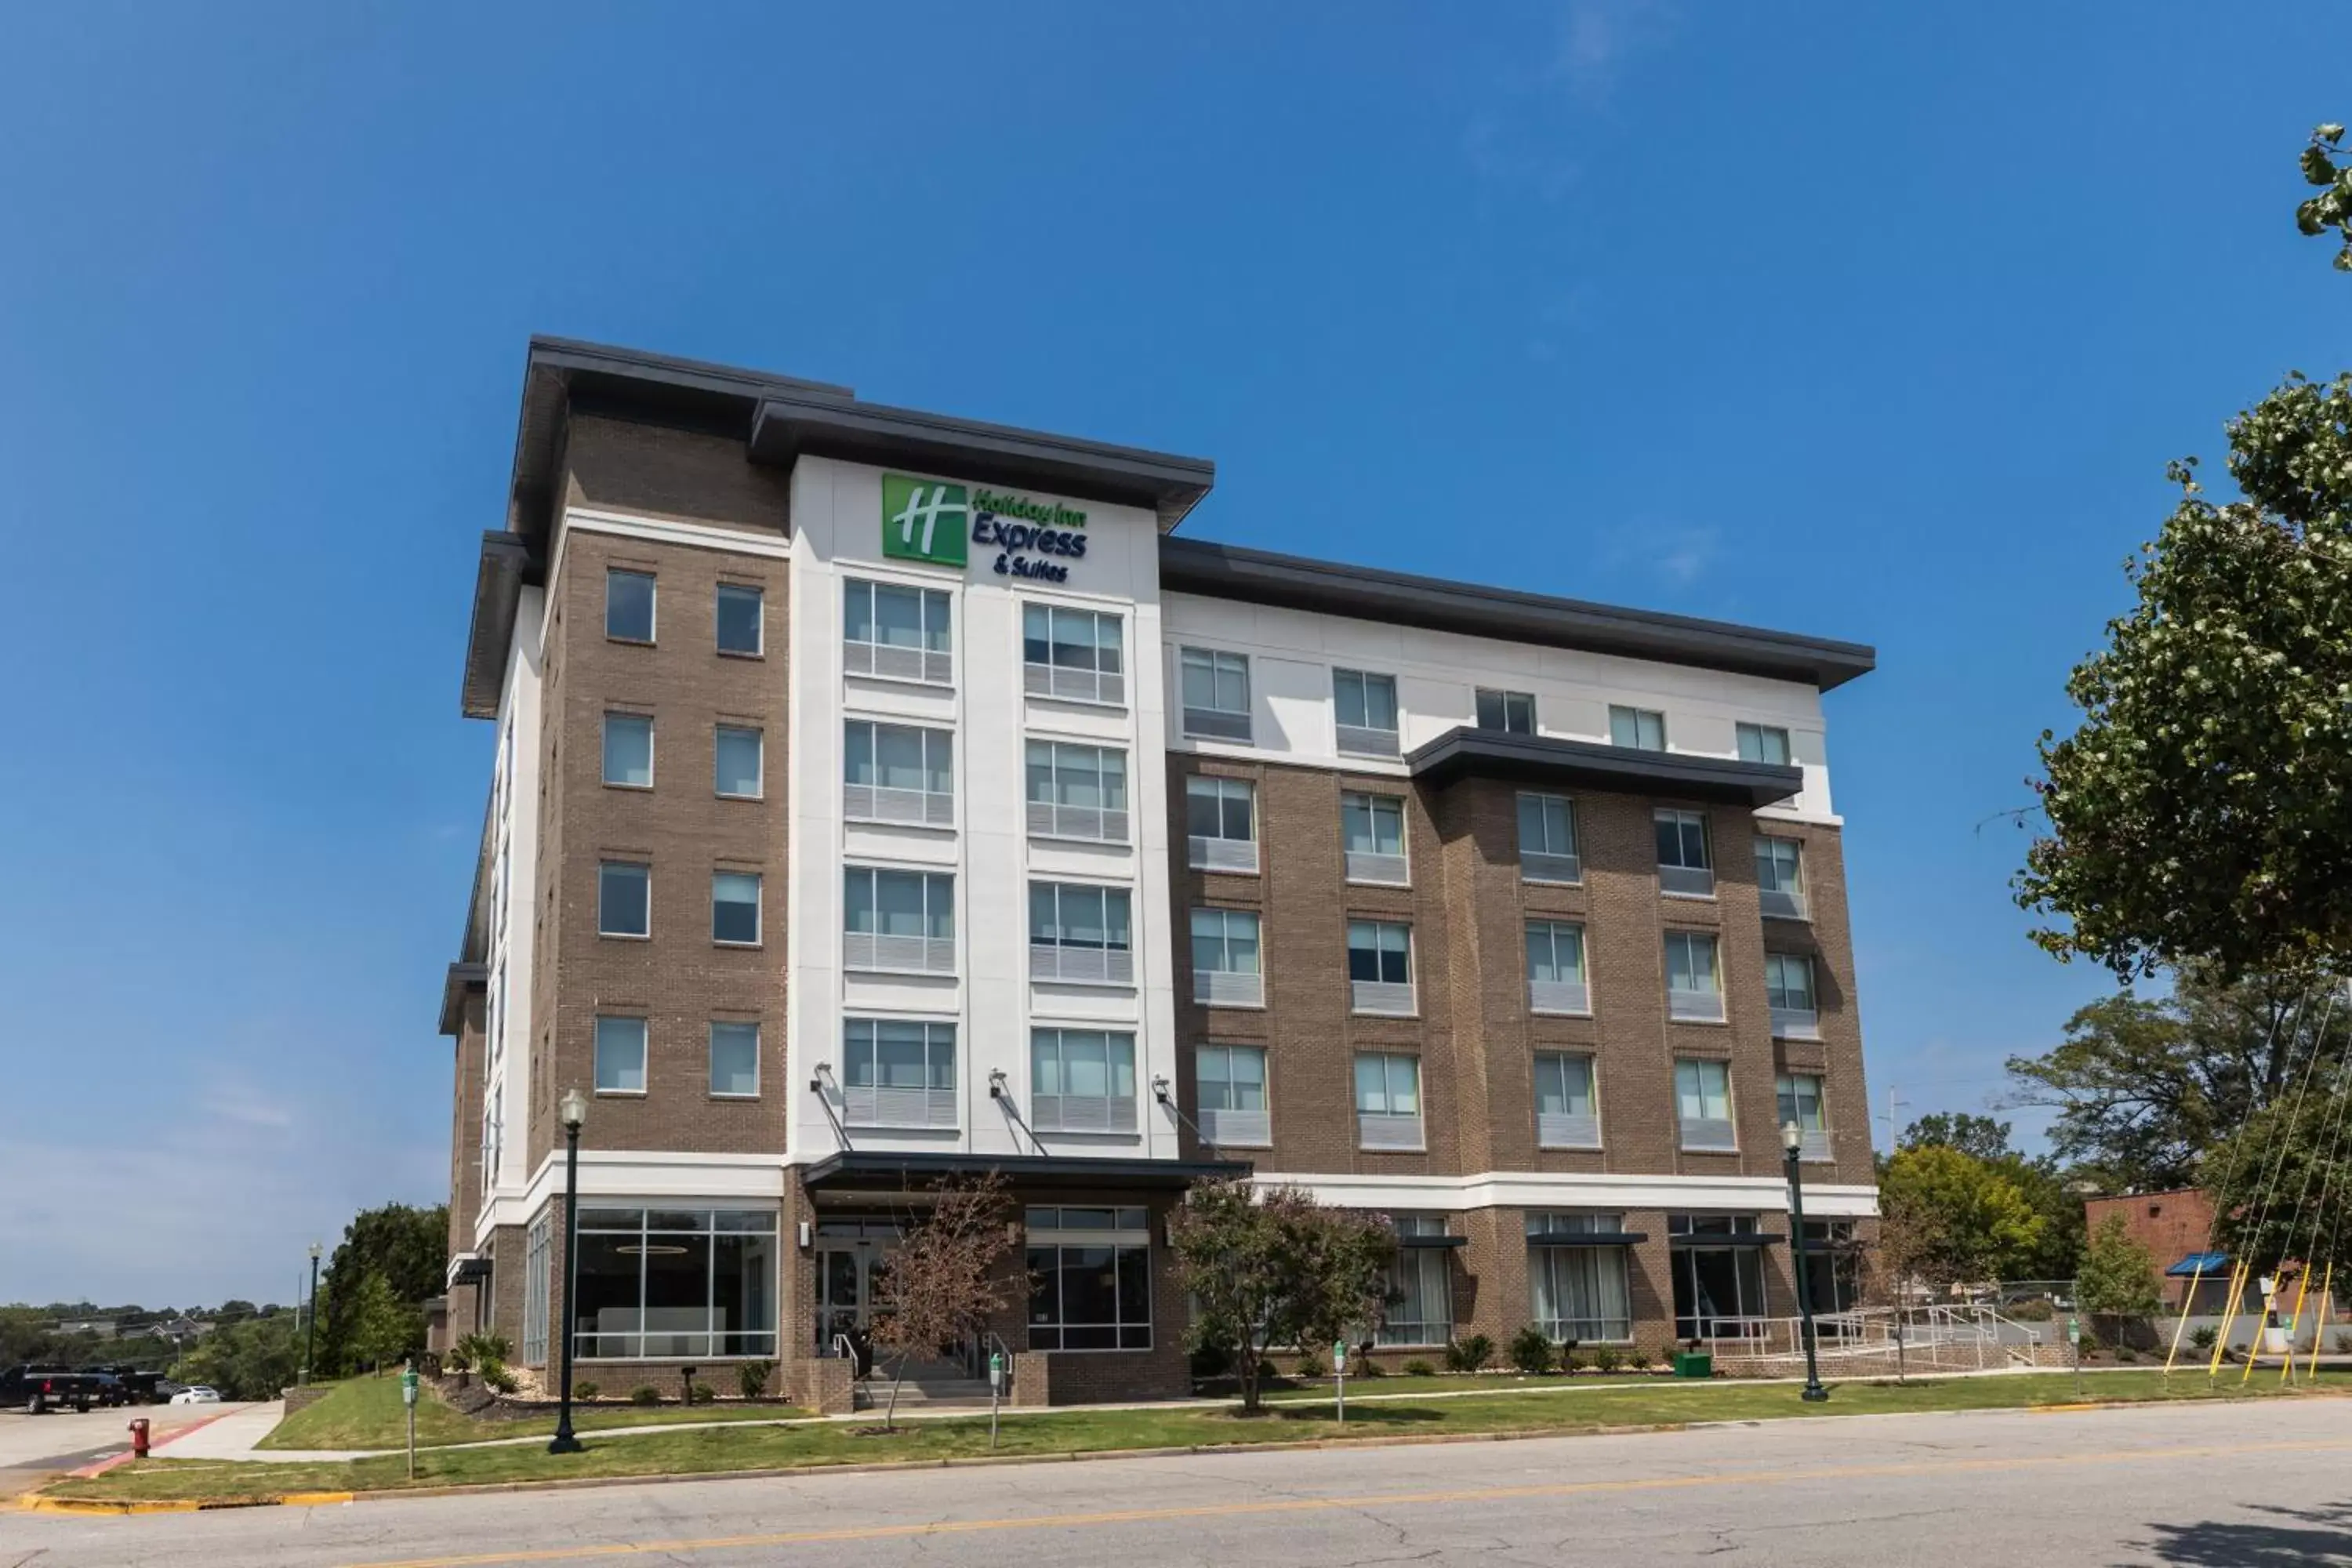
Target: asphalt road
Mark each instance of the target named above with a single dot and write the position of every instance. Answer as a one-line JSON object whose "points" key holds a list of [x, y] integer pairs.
{"points": [[2257, 1485]]}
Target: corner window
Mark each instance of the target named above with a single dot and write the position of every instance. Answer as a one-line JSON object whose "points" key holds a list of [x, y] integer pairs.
{"points": [[1578, 1289], [901, 921], [1076, 792], [735, 908], [1221, 823], [629, 606], [629, 751], [1643, 728], [1225, 959], [1367, 710], [1089, 1279], [735, 1060], [1081, 1081], [1080, 933], [623, 898], [1388, 1100], [1683, 866], [1693, 981], [1380, 967], [1548, 839], [1703, 1104], [897, 633], [1078, 656], [620, 1055], [1230, 1084], [1216, 694], [739, 618], [1556, 968], [898, 1072], [1421, 1280], [737, 764], [1789, 985], [1565, 1117], [1507, 713], [671, 1284], [1371, 829], [898, 772], [1763, 743], [1780, 878]]}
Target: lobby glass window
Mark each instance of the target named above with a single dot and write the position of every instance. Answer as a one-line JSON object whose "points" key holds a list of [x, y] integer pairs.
{"points": [[623, 898], [1366, 708], [898, 920], [1509, 712], [1077, 791], [1643, 728], [738, 618], [674, 1284], [1225, 972], [1221, 823], [1763, 743], [1380, 967], [1230, 1081], [1834, 1269], [536, 1250], [1079, 933], [1556, 968], [1579, 1291], [1718, 1278], [1081, 1081], [1703, 1104], [629, 606], [1780, 878], [898, 772], [1388, 1100], [1089, 1279], [897, 633], [1800, 1097], [620, 1055], [629, 751], [1078, 656], [1548, 839], [1788, 986], [1371, 830], [1565, 1113], [735, 1060], [735, 908], [737, 764], [898, 1072], [1683, 866], [1216, 694], [1693, 978], [1422, 1277]]}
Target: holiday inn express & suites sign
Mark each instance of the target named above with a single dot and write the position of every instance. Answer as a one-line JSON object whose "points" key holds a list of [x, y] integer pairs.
{"points": [[935, 521]]}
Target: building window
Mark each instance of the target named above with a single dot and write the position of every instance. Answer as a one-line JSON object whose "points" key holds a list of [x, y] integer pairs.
{"points": [[735, 1060], [739, 618], [1548, 839], [1367, 710], [898, 1072], [1216, 695], [1225, 971], [1718, 1281], [623, 898], [1388, 1100], [897, 633], [1565, 1115], [735, 908], [620, 1055], [1578, 1289], [1642, 728], [1371, 827], [1423, 1276], [1833, 1267], [1800, 1097], [1763, 743], [1078, 791], [1089, 1279], [629, 605], [1556, 968], [1081, 1081], [1684, 868], [901, 920], [629, 751], [898, 772], [670, 1284], [1077, 656], [1780, 878], [737, 766], [1230, 1083], [1703, 1104], [1221, 823], [536, 1252], [1510, 712], [1789, 985], [1380, 967], [1693, 979], [1080, 933]]}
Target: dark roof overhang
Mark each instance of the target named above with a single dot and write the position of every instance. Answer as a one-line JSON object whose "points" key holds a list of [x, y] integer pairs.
{"points": [[1736, 1238], [1587, 1237], [851, 1166], [1541, 759], [1413, 1241], [1255, 576], [461, 979], [499, 580]]}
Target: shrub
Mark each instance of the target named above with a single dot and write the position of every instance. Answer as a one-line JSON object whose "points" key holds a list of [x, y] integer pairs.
{"points": [[457, 1359], [1310, 1364], [2034, 1312], [1367, 1367], [2124, 1353], [1419, 1367], [2344, 1341], [1267, 1372], [498, 1379], [751, 1377], [701, 1394], [1606, 1359], [1469, 1354], [2090, 1343], [1213, 1361], [644, 1393], [2205, 1338], [1530, 1350], [1638, 1359], [1570, 1361], [584, 1389]]}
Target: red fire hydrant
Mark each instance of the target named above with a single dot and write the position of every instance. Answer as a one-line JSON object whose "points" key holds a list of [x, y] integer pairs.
{"points": [[139, 1438]]}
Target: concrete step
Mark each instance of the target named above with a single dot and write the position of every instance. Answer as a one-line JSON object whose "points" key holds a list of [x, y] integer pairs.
{"points": [[930, 1391]]}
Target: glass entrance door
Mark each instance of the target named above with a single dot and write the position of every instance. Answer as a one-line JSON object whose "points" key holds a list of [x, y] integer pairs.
{"points": [[849, 1275]]}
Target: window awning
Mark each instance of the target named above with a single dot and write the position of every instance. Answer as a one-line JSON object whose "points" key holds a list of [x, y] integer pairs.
{"points": [[1718, 1239], [2197, 1263], [1433, 1241], [1587, 1237], [850, 1166]]}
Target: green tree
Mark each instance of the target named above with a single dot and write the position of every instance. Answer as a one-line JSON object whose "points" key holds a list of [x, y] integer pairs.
{"points": [[1963, 1220], [2282, 1182], [1979, 1137], [2117, 1279], [407, 1247], [1276, 1268], [2332, 208], [253, 1358], [385, 1329], [2046, 1186]]}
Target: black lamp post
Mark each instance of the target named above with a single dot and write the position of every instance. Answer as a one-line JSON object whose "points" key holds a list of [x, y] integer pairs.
{"points": [[1793, 1138], [311, 1330], [573, 1111]]}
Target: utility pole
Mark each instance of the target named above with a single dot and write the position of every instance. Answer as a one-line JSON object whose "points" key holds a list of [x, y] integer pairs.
{"points": [[1893, 1128]]}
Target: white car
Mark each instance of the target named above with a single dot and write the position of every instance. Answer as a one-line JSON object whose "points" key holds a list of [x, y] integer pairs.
{"points": [[199, 1394]]}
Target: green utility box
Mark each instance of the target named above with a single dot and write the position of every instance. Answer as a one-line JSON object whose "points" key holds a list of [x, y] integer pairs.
{"points": [[1694, 1364]]}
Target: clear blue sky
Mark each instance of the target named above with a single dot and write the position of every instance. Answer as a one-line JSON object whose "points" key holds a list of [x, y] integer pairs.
{"points": [[1871, 322]]}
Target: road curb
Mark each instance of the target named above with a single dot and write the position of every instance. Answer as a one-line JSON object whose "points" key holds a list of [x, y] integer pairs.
{"points": [[183, 1505]]}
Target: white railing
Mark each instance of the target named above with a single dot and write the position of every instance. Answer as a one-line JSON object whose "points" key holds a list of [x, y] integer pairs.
{"points": [[1241, 1128], [1217, 724], [868, 1106], [1228, 988], [886, 803], [1364, 866], [1689, 882], [1796, 1023], [1388, 998], [1081, 965], [1542, 866], [1082, 1113], [894, 661], [1695, 1006], [1096, 824], [1074, 684], [1709, 1134], [1387, 1129], [1236, 855], [898, 954], [1364, 741], [1780, 905], [1559, 997], [1567, 1130]]}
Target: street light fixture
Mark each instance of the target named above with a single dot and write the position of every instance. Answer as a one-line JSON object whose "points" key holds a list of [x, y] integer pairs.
{"points": [[572, 1110], [1792, 1140], [311, 1330]]}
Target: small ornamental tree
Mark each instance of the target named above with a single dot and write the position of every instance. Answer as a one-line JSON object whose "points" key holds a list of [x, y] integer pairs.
{"points": [[2117, 1278], [943, 1282], [1275, 1267]]}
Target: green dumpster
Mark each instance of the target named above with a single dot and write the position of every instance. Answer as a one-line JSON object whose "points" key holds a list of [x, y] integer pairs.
{"points": [[1694, 1364]]}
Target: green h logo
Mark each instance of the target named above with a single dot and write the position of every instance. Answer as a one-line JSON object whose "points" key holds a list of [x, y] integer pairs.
{"points": [[923, 520]]}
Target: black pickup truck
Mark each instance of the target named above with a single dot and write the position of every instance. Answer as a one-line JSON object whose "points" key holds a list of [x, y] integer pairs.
{"points": [[40, 1389]]}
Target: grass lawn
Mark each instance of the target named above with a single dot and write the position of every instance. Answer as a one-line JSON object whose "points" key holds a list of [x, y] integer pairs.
{"points": [[366, 1413], [762, 1448], [1319, 1390]]}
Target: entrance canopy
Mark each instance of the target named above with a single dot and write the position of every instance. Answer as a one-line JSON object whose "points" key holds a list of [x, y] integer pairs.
{"points": [[851, 1167]]}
